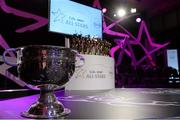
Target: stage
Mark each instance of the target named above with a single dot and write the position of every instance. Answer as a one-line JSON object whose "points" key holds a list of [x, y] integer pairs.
{"points": [[119, 103]]}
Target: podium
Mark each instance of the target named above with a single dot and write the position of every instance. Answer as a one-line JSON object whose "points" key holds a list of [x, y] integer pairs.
{"points": [[96, 74]]}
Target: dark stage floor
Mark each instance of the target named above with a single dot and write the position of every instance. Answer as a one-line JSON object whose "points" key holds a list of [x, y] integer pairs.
{"points": [[124, 103]]}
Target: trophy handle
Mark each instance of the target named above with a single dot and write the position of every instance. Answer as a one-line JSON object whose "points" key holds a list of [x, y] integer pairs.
{"points": [[5, 59], [81, 59]]}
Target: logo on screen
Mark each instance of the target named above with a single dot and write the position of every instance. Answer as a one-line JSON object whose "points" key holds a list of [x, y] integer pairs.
{"points": [[58, 16]]}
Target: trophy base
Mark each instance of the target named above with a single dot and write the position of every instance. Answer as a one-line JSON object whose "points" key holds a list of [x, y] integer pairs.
{"points": [[47, 106], [58, 115]]}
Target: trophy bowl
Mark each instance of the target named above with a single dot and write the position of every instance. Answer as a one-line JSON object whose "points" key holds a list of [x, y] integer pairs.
{"points": [[45, 68]]}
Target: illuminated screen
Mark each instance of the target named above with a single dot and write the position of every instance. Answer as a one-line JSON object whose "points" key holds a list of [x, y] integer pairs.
{"points": [[172, 59], [69, 17]]}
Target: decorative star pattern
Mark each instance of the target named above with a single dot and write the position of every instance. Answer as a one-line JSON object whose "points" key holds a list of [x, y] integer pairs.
{"points": [[41, 21], [126, 47], [124, 44], [59, 16]]}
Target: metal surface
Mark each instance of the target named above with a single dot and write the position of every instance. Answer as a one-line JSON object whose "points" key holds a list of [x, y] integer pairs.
{"points": [[131, 103], [47, 106], [46, 68], [39, 65]]}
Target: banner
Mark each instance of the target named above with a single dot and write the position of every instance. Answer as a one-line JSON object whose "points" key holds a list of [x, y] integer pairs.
{"points": [[96, 74]]}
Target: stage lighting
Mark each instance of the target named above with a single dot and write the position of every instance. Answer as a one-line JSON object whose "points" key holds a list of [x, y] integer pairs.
{"points": [[104, 10], [121, 12], [138, 19], [133, 10], [115, 15]]}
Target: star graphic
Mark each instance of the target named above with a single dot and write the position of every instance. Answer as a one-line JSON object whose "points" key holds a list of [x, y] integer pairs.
{"points": [[130, 40], [41, 21], [58, 15]]}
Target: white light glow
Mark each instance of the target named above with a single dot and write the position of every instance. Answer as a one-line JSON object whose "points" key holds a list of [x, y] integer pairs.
{"points": [[104, 10], [121, 12], [133, 10], [138, 20]]}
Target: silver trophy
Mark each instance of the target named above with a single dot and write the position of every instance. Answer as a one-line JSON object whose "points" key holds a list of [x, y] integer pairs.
{"points": [[45, 68]]}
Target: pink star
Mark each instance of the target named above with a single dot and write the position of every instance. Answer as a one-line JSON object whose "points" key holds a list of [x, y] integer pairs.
{"points": [[133, 41]]}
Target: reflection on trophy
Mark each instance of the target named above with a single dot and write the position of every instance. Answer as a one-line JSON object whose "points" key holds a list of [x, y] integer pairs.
{"points": [[86, 45], [47, 68]]}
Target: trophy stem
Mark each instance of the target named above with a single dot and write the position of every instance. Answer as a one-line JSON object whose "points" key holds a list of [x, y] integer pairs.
{"points": [[47, 96], [47, 106]]}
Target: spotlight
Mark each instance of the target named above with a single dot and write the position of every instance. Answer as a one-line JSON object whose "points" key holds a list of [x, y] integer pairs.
{"points": [[115, 15], [121, 12], [138, 19], [104, 10], [133, 10]]}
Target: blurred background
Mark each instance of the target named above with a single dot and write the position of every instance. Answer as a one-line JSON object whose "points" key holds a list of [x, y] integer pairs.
{"points": [[161, 17]]}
